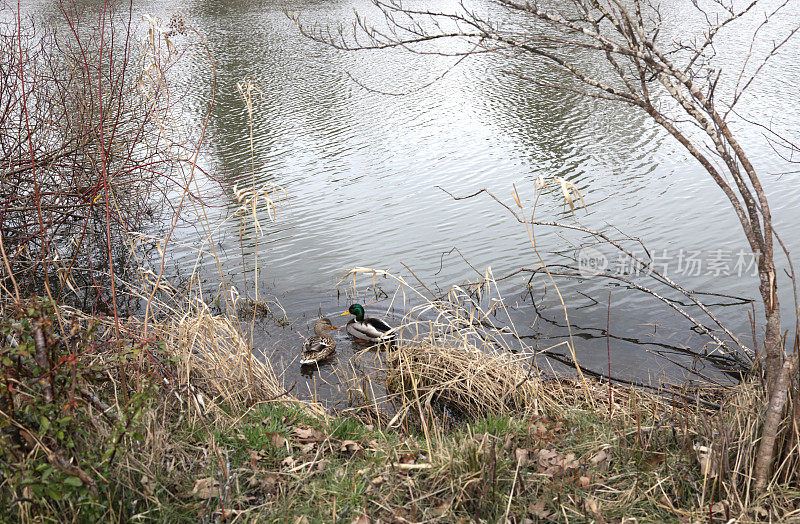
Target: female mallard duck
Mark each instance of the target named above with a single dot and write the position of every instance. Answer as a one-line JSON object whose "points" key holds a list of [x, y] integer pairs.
{"points": [[321, 346], [369, 328]]}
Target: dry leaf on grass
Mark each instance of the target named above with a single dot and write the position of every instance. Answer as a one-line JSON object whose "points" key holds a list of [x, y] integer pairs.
{"points": [[547, 458], [276, 438], [350, 446], [522, 457], [377, 481], [601, 460], [206, 488], [508, 442], [148, 484], [267, 481], [304, 433], [570, 462], [552, 462], [441, 508], [538, 509], [538, 428], [407, 458], [592, 506]]}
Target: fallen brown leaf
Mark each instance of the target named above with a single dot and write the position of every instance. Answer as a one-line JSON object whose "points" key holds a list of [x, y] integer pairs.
{"points": [[538, 509], [601, 460], [378, 480], [277, 439], [304, 433], [350, 446], [148, 484], [206, 488], [267, 481], [570, 462], [441, 508], [548, 457], [522, 457], [407, 458], [508, 442], [592, 506]]}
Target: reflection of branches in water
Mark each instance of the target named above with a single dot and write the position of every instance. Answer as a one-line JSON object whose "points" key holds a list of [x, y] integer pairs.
{"points": [[603, 238], [454, 248], [731, 364], [723, 362], [629, 284], [736, 300], [737, 375], [726, 363]]}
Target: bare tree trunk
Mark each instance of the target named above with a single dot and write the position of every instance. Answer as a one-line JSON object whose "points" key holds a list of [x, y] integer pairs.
{"points": [[773, 345], [769, 433]]}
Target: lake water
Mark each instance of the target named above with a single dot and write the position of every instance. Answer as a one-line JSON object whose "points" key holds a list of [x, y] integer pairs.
{"points": [[360, 171]]}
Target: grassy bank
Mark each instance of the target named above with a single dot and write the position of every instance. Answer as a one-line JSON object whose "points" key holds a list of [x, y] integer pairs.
{"points": [[202, 432]]}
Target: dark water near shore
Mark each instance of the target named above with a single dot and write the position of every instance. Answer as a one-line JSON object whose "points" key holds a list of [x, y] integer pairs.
{"points": [[359, 173]]}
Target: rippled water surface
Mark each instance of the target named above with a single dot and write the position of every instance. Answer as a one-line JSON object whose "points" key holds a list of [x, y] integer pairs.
{"points": [[360, 173]]}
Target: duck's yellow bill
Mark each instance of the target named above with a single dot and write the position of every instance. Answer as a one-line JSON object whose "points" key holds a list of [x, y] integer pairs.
{"points": [[345, 313]]}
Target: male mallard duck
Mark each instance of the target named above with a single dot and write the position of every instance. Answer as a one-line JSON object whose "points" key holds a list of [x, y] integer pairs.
{"points": [[369, 328], [321, 346]]}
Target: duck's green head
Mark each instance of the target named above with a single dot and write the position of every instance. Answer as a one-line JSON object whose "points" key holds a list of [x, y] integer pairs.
{"points": [[357, 310]]}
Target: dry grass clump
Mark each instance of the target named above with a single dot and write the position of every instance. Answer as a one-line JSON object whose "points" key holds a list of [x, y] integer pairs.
{"points": [[730, 440], [214, 356], [470, 382], [452, 353]]}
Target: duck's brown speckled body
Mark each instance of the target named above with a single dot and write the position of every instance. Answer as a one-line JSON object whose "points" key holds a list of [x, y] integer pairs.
{"points": [[321, 346]]}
